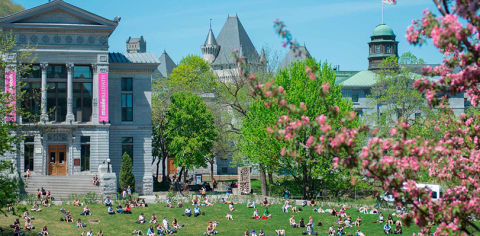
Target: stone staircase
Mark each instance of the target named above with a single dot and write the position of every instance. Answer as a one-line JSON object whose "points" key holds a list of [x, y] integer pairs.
{"points": [[61, 186]]}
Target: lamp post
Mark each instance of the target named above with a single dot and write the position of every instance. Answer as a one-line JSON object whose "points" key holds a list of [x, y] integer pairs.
{"points": [[108, 165]]}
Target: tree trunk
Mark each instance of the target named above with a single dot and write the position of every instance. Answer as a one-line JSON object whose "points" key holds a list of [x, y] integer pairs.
{"points": [[185, 176], [263, 180], [181, 172], [164, 177], [211, 171], [270, 178]]}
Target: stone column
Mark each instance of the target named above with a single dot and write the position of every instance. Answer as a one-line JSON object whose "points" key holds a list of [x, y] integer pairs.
{"points": [[95, 93], [44, 115], [70, 116]]}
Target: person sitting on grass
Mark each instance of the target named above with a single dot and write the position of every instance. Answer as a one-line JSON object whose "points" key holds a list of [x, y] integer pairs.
{"points": [[267, 213], [86, 211], [302, 223], [334, 212], [374, 211], [285, 207], [294, 209], [25, 214], [108, 201], [342, 212], [280, 232], [251, 204], [36, 207], [89, 233], [312, 202], [340, 222], [188, 212], [76, 202], [80, 224], [46, 202], [137, 232], [390, 219], [363, 210], [398, 230], [265, 203], [141, 218], [387, 229], [196, 211], [119, 208], [165, 222], [49, 195], [175, 223], [44, 231], [159, 229], [169, 202], [127, 210], [348, 223], [292, 222], [95, 180], [62, 210], [229, 217], [359, 233], [253, 232], [331, 230], [261, 233], [68, 217], [246, 233], [358, 221], [110, 210], [210, 230], [143, 202], [151, 231], [195, 201], [340, 231], [256, 215], [231, 207], [100, 233], [154, 219], [320, 210], [15, 223], [28, 225], [380, 218], [180, 204], [207, 203], [399, 222]]}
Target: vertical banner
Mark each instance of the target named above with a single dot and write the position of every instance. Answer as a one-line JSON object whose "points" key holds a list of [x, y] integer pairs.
{"points": [[10, 89], [103, 97]]}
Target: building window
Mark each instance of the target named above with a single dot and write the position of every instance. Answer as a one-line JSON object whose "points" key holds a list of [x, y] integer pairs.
{"points": [[355, 98], [418, 116], [85, 153], [224, 170], [57, 101], [34, 73], [127, 99], [127, 146], [82, 72], [388, 49], [28, 153], [31, 102], [377, 49], [359, 112], [57, 71], [371, 50], [82, 102]]}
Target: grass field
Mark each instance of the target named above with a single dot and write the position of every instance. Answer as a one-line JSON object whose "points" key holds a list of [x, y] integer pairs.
{"points": [[121, 224]]}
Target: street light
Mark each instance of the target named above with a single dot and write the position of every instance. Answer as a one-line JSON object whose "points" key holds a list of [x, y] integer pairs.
{"points": [[108, 165]]}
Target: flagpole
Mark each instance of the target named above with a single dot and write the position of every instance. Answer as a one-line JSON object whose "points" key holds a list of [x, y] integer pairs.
{"points": [[382, 12]]}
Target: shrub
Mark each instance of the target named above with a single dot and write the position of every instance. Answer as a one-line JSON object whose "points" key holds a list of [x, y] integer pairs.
{"points": [[126, 176]]}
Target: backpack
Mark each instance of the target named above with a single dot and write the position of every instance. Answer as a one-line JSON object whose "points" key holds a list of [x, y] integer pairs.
{"points": [[304, 232], [61, 219], [319, 223], [300, 209], [203, 213]]}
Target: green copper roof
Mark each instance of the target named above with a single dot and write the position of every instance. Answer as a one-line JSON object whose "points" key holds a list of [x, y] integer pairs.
{"points": [[382, 30], [368, 78]]}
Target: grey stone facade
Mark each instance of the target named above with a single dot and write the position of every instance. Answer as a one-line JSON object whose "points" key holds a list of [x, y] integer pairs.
{"points": [[67, 36]]}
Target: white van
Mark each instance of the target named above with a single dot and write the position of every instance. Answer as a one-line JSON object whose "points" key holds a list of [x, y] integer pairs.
{"points": [[436, 192]]}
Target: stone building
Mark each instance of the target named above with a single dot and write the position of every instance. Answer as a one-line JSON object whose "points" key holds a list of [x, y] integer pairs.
{"points": [[95, 105], [136, 45]]}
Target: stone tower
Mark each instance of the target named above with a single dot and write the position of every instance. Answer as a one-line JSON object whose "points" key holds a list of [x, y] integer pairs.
{"points": [[210, 49], [136, 45], [381, 46]]}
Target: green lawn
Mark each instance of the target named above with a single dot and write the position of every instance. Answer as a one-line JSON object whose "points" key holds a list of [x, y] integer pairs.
{"points": [[121, 224]]}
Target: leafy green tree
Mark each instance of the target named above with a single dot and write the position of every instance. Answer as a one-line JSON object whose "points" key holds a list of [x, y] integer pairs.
{"points": [[256, 145], [8, 7], [192, 74], [190, 130], [161, 96], [309, 169], [9, 185], [126, 175]]}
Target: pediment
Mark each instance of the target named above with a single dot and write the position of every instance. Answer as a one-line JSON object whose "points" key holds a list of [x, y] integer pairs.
{"points": [[57, 12], [57, 16]]}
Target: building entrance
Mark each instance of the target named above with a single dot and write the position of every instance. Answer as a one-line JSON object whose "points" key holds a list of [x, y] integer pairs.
{"points": [[57, 160]]}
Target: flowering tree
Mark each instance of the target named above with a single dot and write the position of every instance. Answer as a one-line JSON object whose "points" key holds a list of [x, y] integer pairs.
{"points": [[394, 158]]}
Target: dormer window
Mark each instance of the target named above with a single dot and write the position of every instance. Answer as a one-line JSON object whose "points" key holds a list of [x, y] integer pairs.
{"points": [[377, 49], [388, 49]]}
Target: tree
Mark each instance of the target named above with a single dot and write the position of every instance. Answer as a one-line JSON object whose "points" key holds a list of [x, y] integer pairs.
{"points": [[8, 7], [192, 74], [160, 103], [126, 177], [191, 131], [395, 159], [256, 145]]}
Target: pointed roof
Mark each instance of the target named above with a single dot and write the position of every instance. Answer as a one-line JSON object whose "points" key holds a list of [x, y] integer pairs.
{"points": [[134, 40], [166, 65], [292, 57], [210, 38], [263, 57], [234, 37]]}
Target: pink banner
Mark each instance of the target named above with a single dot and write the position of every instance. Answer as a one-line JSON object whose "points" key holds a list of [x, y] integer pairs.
{"points": [[10, 89], [103, 97]]}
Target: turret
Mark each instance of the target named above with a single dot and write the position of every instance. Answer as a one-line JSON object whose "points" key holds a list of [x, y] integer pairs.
{"points": [[210, 49], [381, 46], [263, 58]]}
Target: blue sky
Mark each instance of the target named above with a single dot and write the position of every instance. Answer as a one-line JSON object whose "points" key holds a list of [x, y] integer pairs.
{"points": [[334, 30]]}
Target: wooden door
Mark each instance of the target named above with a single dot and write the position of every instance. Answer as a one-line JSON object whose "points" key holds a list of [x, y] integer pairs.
{"points": [[172, 169], [57, 160]]}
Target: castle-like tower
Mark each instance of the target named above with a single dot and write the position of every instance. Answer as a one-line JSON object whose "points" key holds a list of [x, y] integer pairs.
{"points": [[136, 45], [210, 49], [381, 46]]}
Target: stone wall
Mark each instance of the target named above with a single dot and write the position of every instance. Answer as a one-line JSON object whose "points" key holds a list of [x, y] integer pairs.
{"points": [[108, 182]]}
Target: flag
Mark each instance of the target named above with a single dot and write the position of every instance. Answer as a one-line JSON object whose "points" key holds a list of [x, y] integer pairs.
{"points": [[391, 2]]}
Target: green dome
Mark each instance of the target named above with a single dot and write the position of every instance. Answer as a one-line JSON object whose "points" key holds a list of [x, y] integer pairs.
{"points": [[382, 30]]}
